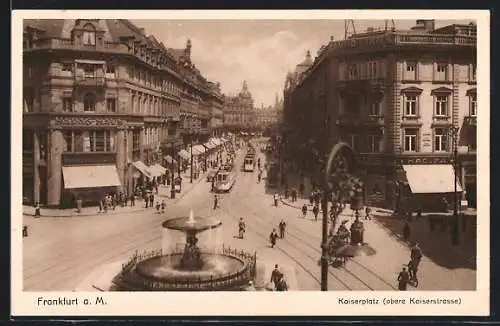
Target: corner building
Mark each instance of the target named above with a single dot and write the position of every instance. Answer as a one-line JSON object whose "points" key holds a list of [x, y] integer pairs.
{"points": [[100, 97], [394, 96]]}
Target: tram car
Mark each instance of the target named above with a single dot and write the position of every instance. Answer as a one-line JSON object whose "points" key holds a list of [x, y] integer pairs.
{"points": [[224, 181], [249, 163]]}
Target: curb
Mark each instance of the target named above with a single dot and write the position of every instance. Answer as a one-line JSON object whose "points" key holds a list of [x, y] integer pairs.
{"points": [[296, 207], [116, 212]]}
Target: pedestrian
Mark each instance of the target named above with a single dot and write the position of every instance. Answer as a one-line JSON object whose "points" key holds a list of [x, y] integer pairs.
{"points": [[106, 203], [368, 212], [281, 284], [113, 201], [412, 270], [272, 237], [403, 279], [301, 188], [316, 212], [275, 275], [151, 200], [287, 193], [163, 206], [294, 194], [406, 230], [282, 227], [132, 200], [416, 254], [304, 210], [158, 207], [216, 202], [311, 198], [276, 197], [37, 210], [156, 187]]}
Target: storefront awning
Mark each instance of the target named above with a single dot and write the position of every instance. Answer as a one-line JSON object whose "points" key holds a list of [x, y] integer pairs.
{"points": [[431, 179], [157, 170], [143, 168], [90, 176], [216, 141], [184, 154], [198, 149], [209, 145], [169, 159]]}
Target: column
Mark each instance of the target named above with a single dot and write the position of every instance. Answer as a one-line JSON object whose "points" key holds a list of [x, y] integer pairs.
{"points": [[143, 142], [121, 156], [54, 178], [129, 169], [36, 161]]}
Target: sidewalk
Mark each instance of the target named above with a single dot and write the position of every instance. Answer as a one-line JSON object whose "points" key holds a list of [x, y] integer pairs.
{"points": [[437, 244], [163, 193]]}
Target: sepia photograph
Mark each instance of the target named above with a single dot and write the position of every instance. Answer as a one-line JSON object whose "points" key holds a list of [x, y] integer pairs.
{"points": [[223, 154]]}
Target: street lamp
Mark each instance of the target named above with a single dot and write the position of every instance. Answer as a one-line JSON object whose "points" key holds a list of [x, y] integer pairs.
{"points": [[455, 239]]}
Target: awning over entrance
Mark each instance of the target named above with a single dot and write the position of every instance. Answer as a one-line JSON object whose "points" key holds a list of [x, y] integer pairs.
{"points": [[90, 176], [157, 170], [431, 179], [184, 154], [198, 149], [143, 168], [169, 159], [209, 145]]}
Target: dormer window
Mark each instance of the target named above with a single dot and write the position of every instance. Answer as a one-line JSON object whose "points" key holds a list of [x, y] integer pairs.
{"points": [[89, 35]]}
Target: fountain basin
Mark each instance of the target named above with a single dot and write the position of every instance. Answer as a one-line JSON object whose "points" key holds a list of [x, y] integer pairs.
{"points": [[227, 270], [191, 224]]}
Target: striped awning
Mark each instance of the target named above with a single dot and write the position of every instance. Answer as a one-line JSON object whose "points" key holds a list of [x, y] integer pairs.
{"points": [[169, 159], [143, 168], [198, 150], [90, 176], [209, 145], [184, 154], [157, 170]]}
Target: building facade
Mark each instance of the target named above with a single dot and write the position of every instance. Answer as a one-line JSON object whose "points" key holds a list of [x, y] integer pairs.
{"points": [[101, 95], [395, 97], [269, 117], [239, 112]]}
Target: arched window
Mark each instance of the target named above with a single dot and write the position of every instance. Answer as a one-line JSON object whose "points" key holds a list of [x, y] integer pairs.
{"points": [[89, 102], [89, 34]]}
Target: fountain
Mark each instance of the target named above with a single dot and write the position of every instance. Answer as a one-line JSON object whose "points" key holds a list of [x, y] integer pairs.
{"points": [[188, 266]]}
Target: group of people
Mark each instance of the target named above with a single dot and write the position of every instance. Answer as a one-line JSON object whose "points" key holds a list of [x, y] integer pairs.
{"points": [[409, 276], [273, 237]]}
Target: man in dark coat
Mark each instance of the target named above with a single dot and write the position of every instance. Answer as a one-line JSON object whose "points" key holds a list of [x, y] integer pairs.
{"points": [[403, 279], [282, 227]]}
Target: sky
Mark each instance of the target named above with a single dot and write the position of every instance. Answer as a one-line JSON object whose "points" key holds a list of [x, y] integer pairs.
{"points": [[260, 52]]}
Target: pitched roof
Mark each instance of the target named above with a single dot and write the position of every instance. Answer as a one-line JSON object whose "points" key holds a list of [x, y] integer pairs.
{"points": [[50, 27]]}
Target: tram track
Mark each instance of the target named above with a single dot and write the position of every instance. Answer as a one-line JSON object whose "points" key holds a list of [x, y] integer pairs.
{"points": [[116, 244], [360, 284]]}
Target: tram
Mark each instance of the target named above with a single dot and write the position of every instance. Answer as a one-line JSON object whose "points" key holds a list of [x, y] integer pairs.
{"points": [[249, 163], [224, 181]]}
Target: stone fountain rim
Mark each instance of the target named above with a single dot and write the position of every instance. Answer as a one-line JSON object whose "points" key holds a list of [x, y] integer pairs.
{"points": [[215, 223]]}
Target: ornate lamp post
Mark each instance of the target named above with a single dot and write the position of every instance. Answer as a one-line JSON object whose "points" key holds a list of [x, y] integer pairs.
{"points": [[455, 239]]}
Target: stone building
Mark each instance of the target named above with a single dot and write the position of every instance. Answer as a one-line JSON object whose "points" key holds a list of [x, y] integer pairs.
{"points": [[394, 96], [102, 100], [239, 113], [269, 117]]}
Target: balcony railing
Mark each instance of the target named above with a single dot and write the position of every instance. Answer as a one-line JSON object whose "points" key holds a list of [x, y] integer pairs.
{"points": [[90, 81], [374, 120], [61, 43]]}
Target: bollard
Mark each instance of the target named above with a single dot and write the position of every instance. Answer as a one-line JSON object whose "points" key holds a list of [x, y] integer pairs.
{"points": [[25, 231]]}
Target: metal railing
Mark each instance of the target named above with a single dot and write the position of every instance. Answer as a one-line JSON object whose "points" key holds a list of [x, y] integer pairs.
{"points": [[129, 279]]}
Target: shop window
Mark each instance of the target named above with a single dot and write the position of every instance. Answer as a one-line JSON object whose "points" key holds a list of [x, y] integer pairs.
{"points": [[29, 100], [441, 106], [410, 140], [440, 140], [89, 102], [67, 67], [374, 109], [68, 141], [352, 72], [110, 69], [374, 143], [89, 71]]}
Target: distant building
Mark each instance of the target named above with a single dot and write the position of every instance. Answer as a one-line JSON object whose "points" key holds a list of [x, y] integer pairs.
{"points": [[102, 100], [239, 113], [270, 116], [393, 96]]}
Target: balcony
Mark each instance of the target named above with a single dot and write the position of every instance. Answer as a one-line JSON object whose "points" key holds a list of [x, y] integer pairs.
{"points": [[90, 81], [349, 120], [441, 120], [68, 44], [411, 120], [471, 120], [374, 120]]}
